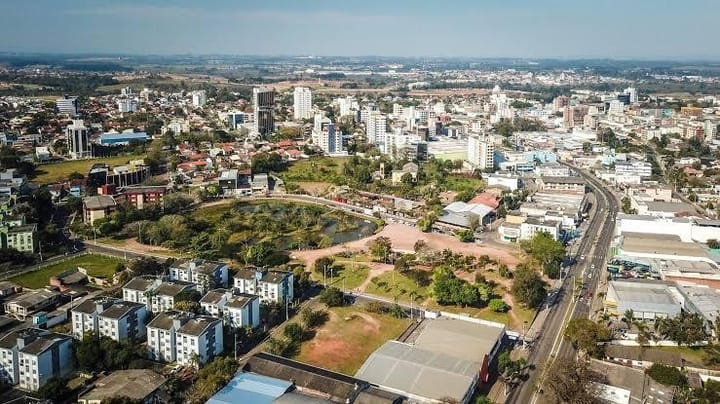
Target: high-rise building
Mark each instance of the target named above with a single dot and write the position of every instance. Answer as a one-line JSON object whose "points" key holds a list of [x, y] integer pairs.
{"points": [[559, 103], [330, 140], [348, 105], [199, 98], [67, 105], [127, 105], [78, 140], [710, 130], [126, 91], [264, 107], [633, 93], [302, 103], [375, 128], [481, 151]]}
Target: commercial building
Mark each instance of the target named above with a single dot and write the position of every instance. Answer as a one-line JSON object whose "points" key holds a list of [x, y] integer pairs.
{"points": [[77, 136], [271, 286], [532, 225], [701, 300], [465, 215], [29, 357], [236, 309], [67, 105], [647, 299], [506, 181], [123, 138], [688, 230], [140, 385], [574, 185], [264, 109], [205, 274], [302, 103], [633, 168], [481, 152]]}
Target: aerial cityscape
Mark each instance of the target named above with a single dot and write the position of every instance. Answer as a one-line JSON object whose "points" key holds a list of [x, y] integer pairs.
{"points": [[390, 202]]}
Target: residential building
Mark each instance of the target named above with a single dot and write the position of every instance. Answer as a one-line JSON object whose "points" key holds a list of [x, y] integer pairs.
{"points": [[23, 305], [29, 357], [163, 297], [552, 170], [78, 140], [22, 238], [236, 309], [272, 286], [140, 290], [532, 225], [639, 168], [206, 274], [329, 140], [123, 321], [67, 105], [302, 103], [481, 152], [200, 337], [127, 105], [85, 316], [264, 109], [98, 207], [161, 337], [138, 385], [199, 98], [375, 128], [141, 197]]}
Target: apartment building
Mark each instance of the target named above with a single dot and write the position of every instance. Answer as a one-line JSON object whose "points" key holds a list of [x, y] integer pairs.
{"points": [[236, 309], [163, 297], [85, 316], [139, 290], [123, 321], [29, 357], [206, 274], [272, 286], [200, 337], [161, 335], [481, 151]]}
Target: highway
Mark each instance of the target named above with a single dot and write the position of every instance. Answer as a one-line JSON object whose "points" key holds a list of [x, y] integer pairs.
{"points": [[593, 246]]}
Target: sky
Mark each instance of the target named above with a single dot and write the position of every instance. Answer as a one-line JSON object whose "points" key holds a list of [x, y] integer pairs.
{"points": [[621, 29]]}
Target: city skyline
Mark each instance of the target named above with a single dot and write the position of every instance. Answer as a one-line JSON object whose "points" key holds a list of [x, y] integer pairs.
{"points": [[520, 28]]}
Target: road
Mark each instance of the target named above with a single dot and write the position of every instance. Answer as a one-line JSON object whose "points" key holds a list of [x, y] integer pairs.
{"points": [[594, 247]]}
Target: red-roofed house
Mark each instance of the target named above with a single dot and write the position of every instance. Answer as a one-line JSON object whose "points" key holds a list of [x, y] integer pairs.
{"points": [[486, 199]]}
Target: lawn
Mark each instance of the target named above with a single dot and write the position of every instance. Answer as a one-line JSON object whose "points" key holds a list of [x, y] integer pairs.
{"points": [[56, 172], [323, 169], [345, 275], [97, 265], [397, 286], [692, 355], [348, 339], [457, 183]]}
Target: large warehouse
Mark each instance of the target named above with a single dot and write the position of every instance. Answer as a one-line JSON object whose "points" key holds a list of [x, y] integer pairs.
{"points": [[648, 299]]}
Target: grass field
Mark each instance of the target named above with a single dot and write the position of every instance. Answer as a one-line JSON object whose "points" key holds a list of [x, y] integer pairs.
{"points": [[692, 355], [397, 286], [346, 274], [323, 169], [56, 172], [97, 265], [348, 338]]}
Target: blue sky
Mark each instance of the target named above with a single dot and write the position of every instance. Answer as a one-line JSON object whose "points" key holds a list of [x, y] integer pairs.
{"points": [[643, 29]]}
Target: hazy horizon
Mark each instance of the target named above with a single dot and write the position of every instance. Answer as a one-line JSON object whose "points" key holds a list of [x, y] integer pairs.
{"points": [[514, 29]]}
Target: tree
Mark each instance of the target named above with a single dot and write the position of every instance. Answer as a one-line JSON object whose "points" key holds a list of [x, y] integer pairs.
{"points": [[547, 251], [504, 271], [713, 243], [121, 400], [449, 289], [145, 266], [55, 388], [294, 332], [177, 202], [528, 287], [380, 247], [314, 318], [322, 264], [628, 316], [668, 375], [685, 328], [498, 305], [573, 382], [586, 335], [332, 297], [211, 378], [188, 306]]}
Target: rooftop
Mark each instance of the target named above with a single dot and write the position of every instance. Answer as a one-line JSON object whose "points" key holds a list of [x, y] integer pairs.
{"points": [[670, 207], [459, 338], [99, 202], [135, 384], [562, 180], [140, 283], [173, 288], [33, 298], [120, 309], [666, 244], [643, 291], [214, 296], [44, 342], [196, 326], [251, 388], [164, 321]]}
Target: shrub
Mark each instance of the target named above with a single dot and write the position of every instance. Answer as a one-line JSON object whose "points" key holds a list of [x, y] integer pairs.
{"points": [[498, 305]]}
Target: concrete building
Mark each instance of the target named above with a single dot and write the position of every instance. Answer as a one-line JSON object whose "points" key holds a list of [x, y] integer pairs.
{"points": [[163, 297], [633, 168], [126, 106], [98, 207], [67, 105], [701, 300], [271, 286], [26, 304], [22, 238], [200, 337], [77, 136], [264, 109], [481, 152], [29, 357], [141, 197], [199, 98], [302, 103], [647, 299], [329, 140], [140, 385], [507, 181], [205, 274], [573, 185], [553, 170], [375, 128], [123, 321], [161, 337], [139, 290], [530, 227], [236, 309], [84, 316]]}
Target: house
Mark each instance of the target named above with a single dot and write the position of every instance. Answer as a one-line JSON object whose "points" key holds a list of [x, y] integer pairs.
{"points": [[236, 309], [140, 197], [200, 337], [23, 305], [123, 321], [260, 183], [272, 286], [66, 279], [163, 297], [410, 168], [140, 385], [98, 207], [533, 225], [206, 274], [85, 316], [31, 356], [139, 290], [8, 288]]}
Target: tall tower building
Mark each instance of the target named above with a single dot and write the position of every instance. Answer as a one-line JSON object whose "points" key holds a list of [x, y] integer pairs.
{"points": [[264, 107], [633, 93], [78, 140], [481, 151], [199, 98], [67, 105], [375, 128], [302, 103]]}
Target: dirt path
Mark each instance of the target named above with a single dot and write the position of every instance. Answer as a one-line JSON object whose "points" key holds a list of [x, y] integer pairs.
{"points": [[376, 269]]}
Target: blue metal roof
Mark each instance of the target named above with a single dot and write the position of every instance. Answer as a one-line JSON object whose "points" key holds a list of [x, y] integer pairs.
{"points": [[250, 388]]}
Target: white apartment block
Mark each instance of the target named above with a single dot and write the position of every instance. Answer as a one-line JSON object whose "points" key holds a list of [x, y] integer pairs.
{"points": [[236, 309], [375, 128], [180, 337], [206, 274], [199, 98], [140, 289], [481, 152], [302, 103], [271, 286], [633, 168], [85, 316], [29, 357], [347, 105], [329, 140], [78, 140], [532, 226], [123, 321], [163, 298]]}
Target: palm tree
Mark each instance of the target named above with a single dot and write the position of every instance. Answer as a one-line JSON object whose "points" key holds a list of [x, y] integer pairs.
{"points": [[628, 316]]}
